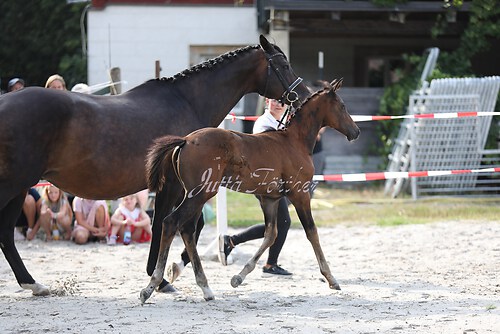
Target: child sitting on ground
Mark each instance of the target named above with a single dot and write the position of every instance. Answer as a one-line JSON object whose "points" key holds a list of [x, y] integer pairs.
{"points": [[91, 220], [130, 222], [56, 214]]}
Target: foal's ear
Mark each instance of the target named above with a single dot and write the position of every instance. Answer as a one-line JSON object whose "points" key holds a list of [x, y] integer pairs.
{"points": [[336, 84]]}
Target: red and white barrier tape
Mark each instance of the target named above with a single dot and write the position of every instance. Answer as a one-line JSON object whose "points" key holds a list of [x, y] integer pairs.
{"points": [[233, 117], [356, 177], [360, 177], [444, 115], [366, 118], [43, 184]]}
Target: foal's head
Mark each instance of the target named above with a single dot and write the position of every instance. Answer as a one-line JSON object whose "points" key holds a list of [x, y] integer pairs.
{"points": [[334, 111]]}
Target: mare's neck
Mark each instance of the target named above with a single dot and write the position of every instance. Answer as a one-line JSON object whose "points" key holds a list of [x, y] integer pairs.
{"points": [[214, 91]]}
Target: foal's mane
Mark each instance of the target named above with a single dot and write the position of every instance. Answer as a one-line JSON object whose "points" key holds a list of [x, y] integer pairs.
{"points": [[209, 64], [310, 97], [326, 89]]}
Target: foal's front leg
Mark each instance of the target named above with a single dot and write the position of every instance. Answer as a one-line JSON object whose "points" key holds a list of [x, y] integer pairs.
{"points": [[168, 234], [270, 209], [304, 212]]}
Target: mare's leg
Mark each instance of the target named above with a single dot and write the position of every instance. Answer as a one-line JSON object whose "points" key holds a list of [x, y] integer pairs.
{"points": [[270, 209], [164, 203], [8, 217], [189, 233], [168, 233], [303, 208]]}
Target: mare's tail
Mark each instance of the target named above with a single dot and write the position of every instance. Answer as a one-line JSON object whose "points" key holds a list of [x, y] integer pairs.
{"points": [[158, 160]]}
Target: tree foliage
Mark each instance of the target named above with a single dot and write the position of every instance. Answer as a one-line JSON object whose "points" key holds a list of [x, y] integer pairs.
{"points": [[482, 30], [40, 38]]}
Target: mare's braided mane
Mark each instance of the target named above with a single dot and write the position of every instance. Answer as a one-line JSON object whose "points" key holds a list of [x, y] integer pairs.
{"points": [[209, 64]]}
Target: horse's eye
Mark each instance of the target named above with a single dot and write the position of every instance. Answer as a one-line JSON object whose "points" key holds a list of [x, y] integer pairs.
{"points": [[286, 67]]}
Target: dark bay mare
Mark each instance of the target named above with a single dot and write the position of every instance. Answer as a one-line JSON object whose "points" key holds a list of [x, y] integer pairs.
{"points": [[269, 165], [95, 146]]}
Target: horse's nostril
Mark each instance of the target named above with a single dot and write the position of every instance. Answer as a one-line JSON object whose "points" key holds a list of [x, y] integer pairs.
{"points": [[354, 134]]}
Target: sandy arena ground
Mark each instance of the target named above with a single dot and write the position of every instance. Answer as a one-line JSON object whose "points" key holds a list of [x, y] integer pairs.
{"points": [[433, 278]]}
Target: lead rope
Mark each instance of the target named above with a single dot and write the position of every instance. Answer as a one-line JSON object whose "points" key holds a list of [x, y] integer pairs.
{"points": [[281, 122]]}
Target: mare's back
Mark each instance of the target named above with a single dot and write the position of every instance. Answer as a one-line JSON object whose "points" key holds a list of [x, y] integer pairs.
{"points": [[34, 104]]}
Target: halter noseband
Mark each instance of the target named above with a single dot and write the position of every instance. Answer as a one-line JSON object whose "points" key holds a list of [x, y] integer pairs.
{"points": [[289, 95]]}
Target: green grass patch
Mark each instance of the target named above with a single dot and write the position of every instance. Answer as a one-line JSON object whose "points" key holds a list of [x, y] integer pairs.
{"points": [[370, 206]]}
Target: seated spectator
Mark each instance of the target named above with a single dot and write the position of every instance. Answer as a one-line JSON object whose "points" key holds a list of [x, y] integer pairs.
{"points": [[15, 84], [56, 82], [91, 220], [130, 222], [27, 224], [56, 214]]}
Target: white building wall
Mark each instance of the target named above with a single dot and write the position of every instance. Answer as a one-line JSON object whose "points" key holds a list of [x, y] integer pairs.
{"points": [[134, 37]]}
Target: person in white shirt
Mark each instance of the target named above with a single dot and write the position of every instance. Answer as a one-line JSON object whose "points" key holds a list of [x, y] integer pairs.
{"points": [[271, 120]]}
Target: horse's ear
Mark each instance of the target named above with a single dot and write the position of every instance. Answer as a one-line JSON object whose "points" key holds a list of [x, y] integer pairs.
{"points": [[323, 84], [265, 44], [336, 84]]}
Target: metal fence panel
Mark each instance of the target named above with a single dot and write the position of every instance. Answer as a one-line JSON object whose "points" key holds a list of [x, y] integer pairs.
{"points": [[447, 143]]}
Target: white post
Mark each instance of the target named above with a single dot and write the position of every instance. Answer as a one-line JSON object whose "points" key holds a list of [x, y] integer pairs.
{"points": [[320, 64], [221, 211], [221, 199]]}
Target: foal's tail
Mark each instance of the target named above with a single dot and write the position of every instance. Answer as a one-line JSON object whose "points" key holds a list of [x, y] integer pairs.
{"points": [[158, 160]]}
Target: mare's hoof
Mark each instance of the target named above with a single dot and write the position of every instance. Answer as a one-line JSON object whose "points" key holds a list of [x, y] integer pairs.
{"points": [[37, 289], [167, 288], [236, 281], [145, 294]]}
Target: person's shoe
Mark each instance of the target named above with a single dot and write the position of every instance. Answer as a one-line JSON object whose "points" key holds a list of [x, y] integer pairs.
{"points": [[276, 270], [112, 240], [225, 248], [18, 236]]}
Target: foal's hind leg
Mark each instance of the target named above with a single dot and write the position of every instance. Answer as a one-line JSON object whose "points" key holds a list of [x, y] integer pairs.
{"points": [[168, 234], [188, 233], [304, 212], [270, 208], [8, 217], [176, 268]]}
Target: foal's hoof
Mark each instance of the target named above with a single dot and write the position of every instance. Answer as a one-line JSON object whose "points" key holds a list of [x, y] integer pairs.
{"points": [[236, 281], [335, 286], [209, 298], [174, 271], [145, 294]]}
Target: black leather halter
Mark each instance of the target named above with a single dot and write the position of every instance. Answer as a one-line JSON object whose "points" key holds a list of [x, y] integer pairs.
{"points": [[289, 95]]}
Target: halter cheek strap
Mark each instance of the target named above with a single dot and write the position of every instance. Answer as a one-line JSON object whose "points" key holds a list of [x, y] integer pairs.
{"points": [[289, 95]]}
